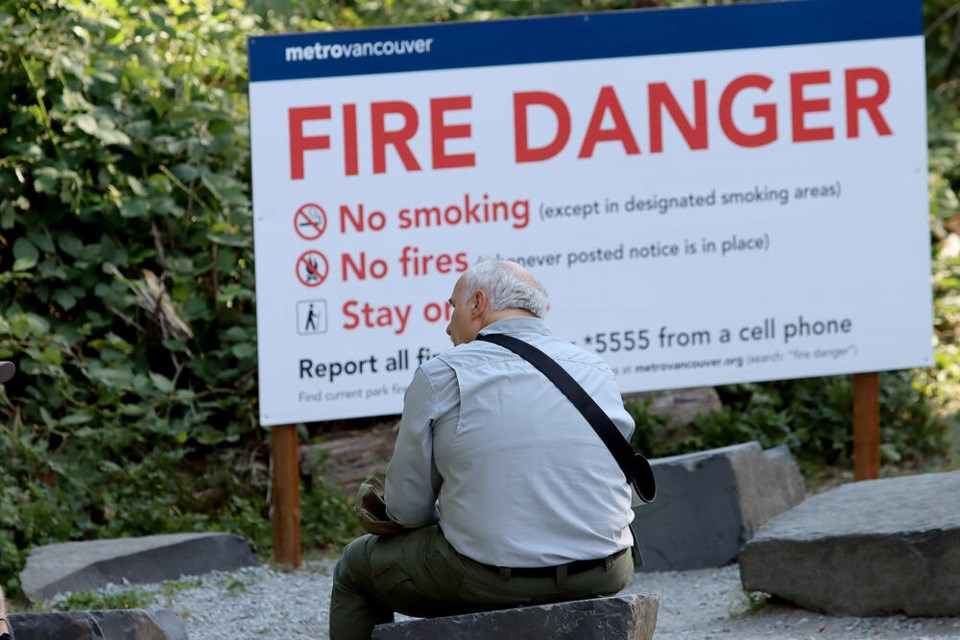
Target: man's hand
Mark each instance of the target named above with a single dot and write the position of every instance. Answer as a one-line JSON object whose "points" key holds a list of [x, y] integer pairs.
{"points": [[372, 511]]}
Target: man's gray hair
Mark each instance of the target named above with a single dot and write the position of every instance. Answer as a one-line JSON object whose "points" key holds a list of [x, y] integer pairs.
{"points": [[504, 288]]}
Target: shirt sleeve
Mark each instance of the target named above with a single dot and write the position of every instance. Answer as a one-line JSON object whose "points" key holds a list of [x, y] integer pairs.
{"points": [[413, 482]]}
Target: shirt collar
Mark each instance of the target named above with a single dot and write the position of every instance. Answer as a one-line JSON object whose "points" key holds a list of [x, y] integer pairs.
{"points": [[521, 324]]}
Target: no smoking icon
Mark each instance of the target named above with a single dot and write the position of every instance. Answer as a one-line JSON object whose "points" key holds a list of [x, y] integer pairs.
{"points": [[312, 268], [310, 221]]}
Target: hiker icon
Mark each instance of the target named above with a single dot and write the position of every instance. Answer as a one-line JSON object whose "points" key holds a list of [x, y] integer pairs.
{"points": [[311, 317]]}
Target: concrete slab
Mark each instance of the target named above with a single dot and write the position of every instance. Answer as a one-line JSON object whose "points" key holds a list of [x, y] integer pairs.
{"points": [[81, 566], [624, 617], [871, 548], [711, 502]]}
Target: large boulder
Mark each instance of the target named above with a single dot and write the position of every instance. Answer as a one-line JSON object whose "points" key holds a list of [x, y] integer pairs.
{"points": [[346, 458], [82, 566], [678, 406], [133, 624], [711, 502], [865, 549], [625, 617]]}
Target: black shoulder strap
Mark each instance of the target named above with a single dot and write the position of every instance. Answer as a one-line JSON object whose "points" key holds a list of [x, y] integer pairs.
{"points": [[635, 467]]}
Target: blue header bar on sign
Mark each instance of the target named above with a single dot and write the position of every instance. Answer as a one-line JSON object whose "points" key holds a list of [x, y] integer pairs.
{"points": [[578, 37]]}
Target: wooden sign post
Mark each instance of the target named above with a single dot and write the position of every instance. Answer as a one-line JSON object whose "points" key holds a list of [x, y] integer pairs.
{"points": [[866, 426], [285, 474]]}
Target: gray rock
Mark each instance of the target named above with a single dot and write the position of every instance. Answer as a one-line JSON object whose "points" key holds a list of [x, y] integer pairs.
{"points": [[679, 406], [865, 549], [132, 624], [81, 566], [710, 503], [625, 617]]}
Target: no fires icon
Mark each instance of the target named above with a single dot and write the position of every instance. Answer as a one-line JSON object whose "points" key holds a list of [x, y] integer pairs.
{"points": [[312, 268]]}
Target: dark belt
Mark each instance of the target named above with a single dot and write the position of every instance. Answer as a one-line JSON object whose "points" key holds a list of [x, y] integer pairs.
{"points": [[556, 571]]}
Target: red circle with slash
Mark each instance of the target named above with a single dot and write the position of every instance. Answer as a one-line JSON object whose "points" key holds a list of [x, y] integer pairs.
{"points": [[310, 221], [312, 268]]}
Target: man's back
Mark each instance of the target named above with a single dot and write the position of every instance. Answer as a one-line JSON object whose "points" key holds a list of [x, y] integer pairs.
{"points": [[526, 480]]}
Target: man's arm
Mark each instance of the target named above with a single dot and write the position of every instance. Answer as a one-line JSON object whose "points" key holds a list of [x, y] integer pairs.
{"points": [[413, 482]]}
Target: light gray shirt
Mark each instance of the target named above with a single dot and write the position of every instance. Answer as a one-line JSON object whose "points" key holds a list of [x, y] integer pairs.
{"points": [[518, 474]]}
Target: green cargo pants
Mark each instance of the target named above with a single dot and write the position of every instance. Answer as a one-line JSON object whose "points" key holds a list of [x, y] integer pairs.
{"points": [[419, 574]]}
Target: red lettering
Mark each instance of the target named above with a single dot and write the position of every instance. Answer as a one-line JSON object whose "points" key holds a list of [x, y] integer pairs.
{"points": [[299, 143], [376, 221], [870, 104], [357, 220], [413, 263], [377, 267], [440, 132], [348, 310], [524, 153], [398, 138], [660, 96], [800, 106], [765, 112], [347, 264], [350, 161], [607, 101]]}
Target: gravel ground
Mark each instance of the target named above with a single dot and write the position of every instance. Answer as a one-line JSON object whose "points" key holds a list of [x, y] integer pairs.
{"points": [[706, 604]]}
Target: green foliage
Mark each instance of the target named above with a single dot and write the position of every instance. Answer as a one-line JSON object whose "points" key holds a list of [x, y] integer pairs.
{"points": [[297, 15], [234, 585], [171, 589], [131, 597], [942, 18], [127, 274], [98, 601], [812, 416], [327, 517], [751, 603], [648, 436]]}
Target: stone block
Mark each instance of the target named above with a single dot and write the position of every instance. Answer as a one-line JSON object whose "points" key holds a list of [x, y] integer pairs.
{"points": [[132, 624], [711, 502], [82, 566], [870, 548], [625, 617]]}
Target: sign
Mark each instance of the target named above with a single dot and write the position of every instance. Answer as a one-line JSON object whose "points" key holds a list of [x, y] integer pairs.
{"points": [[310, 221], [712, 195]]}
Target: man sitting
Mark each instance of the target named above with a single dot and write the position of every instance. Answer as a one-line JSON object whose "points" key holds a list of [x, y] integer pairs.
{"points": [[510, 496]]}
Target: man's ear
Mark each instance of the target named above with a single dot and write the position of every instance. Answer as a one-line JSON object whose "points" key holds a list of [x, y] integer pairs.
{"points": [[478, 304]]}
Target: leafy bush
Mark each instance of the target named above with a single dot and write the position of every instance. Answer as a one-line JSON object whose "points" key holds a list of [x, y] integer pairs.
{"points": [[942, 18], [126, 281], [327, 516], [812, 416]]}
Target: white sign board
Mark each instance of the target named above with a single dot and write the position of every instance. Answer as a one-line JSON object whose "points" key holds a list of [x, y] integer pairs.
{"points": [[710, 195]]}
